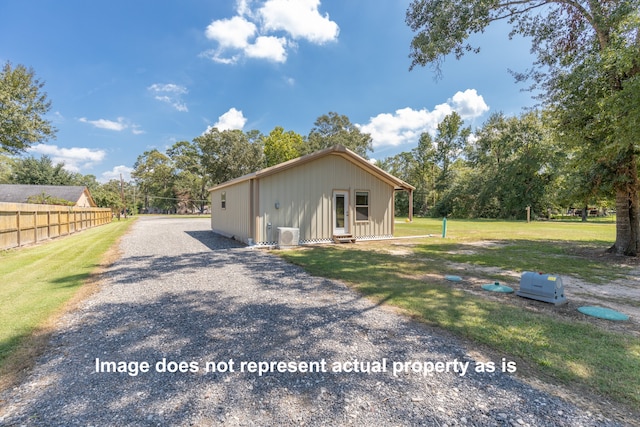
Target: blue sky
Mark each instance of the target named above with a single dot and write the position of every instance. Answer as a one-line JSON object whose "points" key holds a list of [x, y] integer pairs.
{"points": [[128, 76]]}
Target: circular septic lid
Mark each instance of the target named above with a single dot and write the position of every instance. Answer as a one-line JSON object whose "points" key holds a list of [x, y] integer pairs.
{"points": [[603, 313], [453, 278], [497, 287]]}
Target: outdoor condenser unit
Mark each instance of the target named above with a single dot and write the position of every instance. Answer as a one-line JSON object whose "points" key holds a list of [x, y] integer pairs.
{"points": [[542, 287], [288, 237]]}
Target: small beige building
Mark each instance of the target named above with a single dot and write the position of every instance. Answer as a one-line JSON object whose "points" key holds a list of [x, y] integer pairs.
{"points": [[330, 195]]}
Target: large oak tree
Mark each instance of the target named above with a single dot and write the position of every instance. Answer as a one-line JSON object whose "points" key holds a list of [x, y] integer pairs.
{"points": [[588, 68]]}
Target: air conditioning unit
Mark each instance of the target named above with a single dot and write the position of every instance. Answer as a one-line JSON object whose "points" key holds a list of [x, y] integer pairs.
{"points": [[288, 237]]}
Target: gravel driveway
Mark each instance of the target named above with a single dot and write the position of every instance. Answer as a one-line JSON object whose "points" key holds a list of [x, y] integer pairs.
{"points": [[179, 293]]}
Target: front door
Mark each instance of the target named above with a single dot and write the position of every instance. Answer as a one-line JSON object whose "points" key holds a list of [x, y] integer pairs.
{"points": [[340, 212]]}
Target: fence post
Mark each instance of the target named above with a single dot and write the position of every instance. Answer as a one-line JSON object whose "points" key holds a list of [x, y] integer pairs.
{"points": [[18, 224]]}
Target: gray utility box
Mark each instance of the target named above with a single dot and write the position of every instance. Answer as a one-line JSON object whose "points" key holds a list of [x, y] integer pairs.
{"points": [[542, 287]]}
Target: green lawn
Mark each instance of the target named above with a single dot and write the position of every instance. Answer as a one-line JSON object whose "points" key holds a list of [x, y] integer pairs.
{"points": [[553, 247], [572, 352], [37, 281], [472, 230]]}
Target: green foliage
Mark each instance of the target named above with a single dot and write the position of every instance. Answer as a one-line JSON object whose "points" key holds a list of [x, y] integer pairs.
{"points": [[511, 163], [46, 199], [335, 129], [230, 154], [192, 181], [563, 32], [281, 146], [595, 106], [419, 168], [22, 107], [155, 175], [515, 163], [108, 195], [450, 140], [42, 171], [7, 164]]}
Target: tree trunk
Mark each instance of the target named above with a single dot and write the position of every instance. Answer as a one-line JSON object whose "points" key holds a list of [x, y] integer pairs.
{"points": [[627, 218], [585, 212]]}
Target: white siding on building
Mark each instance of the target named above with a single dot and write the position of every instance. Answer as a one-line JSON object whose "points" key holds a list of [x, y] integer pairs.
{"points": [[304, 195], [299, 193], [233, 220]]}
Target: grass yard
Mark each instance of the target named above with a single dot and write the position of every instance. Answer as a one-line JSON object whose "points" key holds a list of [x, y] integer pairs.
{"points": [[37, 281], [556, 247], [409, 274]]}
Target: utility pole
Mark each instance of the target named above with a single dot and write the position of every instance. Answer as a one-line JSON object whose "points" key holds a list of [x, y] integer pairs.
{"points": [[124, 205]]}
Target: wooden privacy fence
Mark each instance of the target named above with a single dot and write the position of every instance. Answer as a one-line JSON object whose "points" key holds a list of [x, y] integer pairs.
{"points": [[23, 223]]}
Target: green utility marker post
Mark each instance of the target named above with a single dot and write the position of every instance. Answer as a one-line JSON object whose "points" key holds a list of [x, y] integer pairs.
{"points": [[444, 227]]}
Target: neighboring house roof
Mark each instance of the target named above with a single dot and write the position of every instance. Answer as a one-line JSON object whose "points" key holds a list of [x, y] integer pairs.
{"points": [[19, 193], [339, 150]]}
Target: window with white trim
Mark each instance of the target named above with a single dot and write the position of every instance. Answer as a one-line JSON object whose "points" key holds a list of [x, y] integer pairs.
{"points": [[223, 200], [362, 206]]}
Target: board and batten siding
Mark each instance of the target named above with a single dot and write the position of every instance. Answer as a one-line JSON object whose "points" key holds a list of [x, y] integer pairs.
{"points": [[304, 195], [233, 220]]}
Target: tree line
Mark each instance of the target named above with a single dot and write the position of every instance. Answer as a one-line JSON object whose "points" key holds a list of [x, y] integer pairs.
{"points": [[498, 170], [180, 177], [505, 166]]}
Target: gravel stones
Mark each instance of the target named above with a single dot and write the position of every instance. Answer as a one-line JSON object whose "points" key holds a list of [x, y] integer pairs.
{"points": [[179, 293]]}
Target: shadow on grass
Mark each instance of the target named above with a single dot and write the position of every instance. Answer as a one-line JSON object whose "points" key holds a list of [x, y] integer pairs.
{"points": [[569, 351], [72, 280], [587, 260]]}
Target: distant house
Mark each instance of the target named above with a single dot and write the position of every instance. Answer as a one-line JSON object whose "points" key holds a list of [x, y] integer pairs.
{"points": [[19, 193], [330, 195]]}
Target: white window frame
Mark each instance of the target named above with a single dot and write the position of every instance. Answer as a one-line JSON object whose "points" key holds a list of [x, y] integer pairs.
{"points": [[368, 205]]}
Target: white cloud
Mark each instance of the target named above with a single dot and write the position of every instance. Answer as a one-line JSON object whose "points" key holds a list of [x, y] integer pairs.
{"points": [[74, 159], [135, 129], [168, 87], [300, 18], [217, 56], [119, 125], [469, 104], [257, 32], [243, 7], [171, 94], [271, 48], [231, 33], [58, 117], [406, 125], [115, 174], [231, 120]]}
